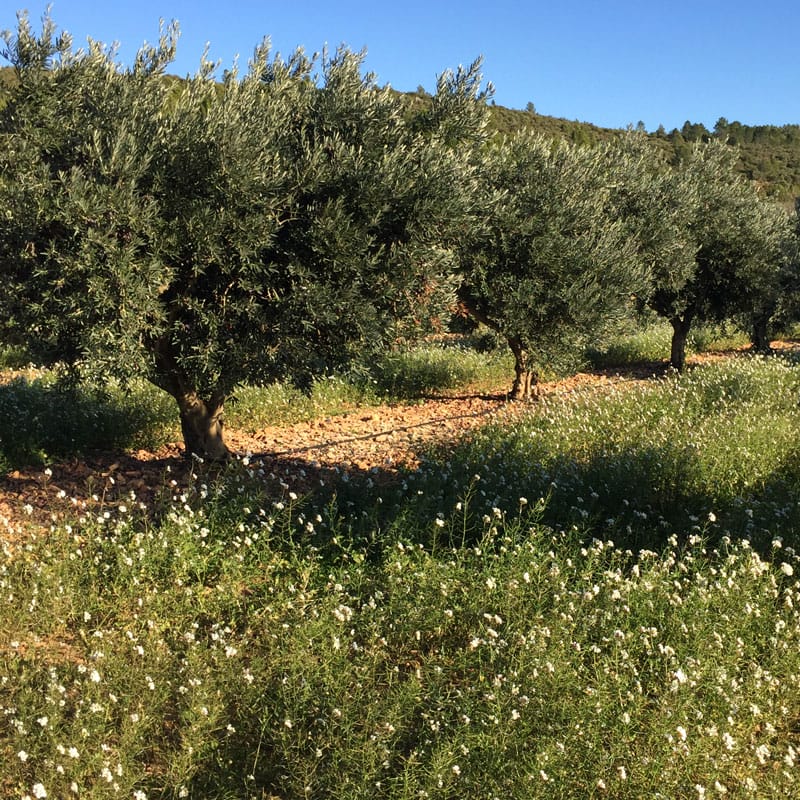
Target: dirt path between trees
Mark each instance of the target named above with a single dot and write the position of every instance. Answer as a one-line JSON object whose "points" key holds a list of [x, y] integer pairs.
{"points": [[367, 440]]}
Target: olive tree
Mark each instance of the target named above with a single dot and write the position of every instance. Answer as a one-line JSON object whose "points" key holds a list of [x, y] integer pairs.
{"points": [[204, 233], [721, 245], [548, 264], [771, 299]]}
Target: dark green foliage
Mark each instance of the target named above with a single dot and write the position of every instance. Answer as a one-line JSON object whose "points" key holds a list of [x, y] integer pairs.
{"points": [[548, 264], [202, 235]]}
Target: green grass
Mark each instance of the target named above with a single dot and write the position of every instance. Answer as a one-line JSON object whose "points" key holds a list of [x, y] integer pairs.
{"points": [[255, 407], [716, 449], [432, 370], [42, 420], [651, 344], [440, 370], [13, 357], [634, 633]]}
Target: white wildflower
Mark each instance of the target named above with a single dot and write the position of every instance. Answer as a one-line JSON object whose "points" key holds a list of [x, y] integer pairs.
{"points": [[728, 741]]}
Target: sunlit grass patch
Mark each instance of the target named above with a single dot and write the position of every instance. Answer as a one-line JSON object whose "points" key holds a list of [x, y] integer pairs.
{"points": [[436, 369], [254, 407], [427, 370], [13, 357], [404, 375], [651, 344]]}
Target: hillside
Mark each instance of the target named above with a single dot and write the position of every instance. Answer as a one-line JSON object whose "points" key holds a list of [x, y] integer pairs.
{"points": [[770, 154]]}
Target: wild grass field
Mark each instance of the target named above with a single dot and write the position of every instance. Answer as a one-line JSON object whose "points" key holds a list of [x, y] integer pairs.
{"points": [[598, 600]]}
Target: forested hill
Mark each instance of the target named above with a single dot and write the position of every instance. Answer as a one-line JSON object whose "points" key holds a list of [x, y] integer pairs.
{"points": [[770, 154]]}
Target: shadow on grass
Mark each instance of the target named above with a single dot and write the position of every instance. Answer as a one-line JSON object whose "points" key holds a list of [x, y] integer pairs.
{"points": [[639, 497], [41, 420]]}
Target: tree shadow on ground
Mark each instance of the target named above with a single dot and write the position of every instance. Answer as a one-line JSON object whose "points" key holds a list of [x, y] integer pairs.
{"points": [[639, 497], [42, 420]]}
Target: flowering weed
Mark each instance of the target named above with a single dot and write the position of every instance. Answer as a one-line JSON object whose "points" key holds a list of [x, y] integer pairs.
{"points": [[459, 638]]}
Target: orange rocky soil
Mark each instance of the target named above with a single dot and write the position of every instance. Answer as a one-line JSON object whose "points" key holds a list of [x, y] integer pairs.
{"points": [[368, 440]]}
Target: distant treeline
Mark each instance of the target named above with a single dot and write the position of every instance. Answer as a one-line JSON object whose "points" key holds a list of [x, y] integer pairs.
{"points": [[769, 154]]}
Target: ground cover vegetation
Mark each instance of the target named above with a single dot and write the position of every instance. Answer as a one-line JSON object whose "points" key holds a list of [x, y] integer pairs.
{"points": [[599, 599]]}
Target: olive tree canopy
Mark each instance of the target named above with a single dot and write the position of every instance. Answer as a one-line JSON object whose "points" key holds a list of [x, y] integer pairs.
{"points": [[204, 233], [549, 263], [723, 248]]}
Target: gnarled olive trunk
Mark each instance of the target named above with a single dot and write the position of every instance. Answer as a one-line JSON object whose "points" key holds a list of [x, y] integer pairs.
{"points": [[525, 378], [759, 335], [680, 335], [201, 417], [202, 425]]}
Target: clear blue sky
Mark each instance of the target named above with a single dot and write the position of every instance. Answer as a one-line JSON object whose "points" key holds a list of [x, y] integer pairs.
{"points": [[610, 62]]}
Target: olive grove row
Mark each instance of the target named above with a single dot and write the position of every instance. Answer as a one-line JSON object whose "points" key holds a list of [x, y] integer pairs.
{"points": [[288, 218]]}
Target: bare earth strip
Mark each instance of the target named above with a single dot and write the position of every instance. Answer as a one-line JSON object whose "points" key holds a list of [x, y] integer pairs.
{"points": [[371, 440]]}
